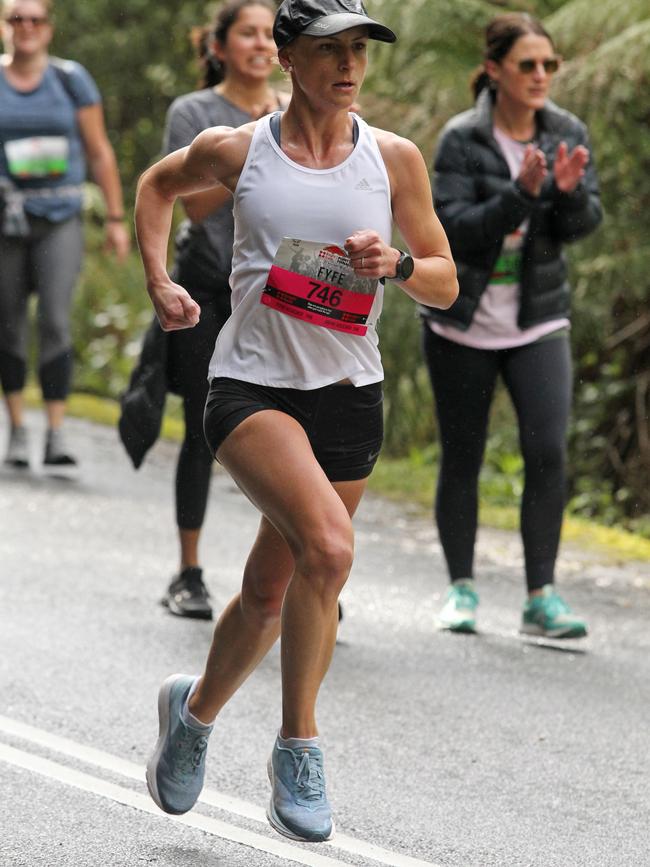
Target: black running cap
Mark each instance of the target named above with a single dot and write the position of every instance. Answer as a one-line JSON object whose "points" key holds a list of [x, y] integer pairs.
{"points": [[324, 18]]}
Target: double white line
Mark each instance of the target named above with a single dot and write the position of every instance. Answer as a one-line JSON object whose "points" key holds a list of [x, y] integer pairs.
{"points": [[122, 795]]}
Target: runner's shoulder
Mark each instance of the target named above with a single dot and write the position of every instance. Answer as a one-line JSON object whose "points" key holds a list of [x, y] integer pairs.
{"points": [[229, 144], [226, 137], [398, 152]]}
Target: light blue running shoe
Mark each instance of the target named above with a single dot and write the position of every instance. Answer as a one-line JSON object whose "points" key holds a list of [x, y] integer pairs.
{"points": [[299, 808], [458, 614], [176, 770]]}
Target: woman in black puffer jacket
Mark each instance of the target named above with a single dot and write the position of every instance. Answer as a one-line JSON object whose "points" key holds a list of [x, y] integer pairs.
{"points": [[514, 181]]}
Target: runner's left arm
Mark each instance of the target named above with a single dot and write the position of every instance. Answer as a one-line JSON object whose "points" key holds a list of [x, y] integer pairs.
{"points": [[433, 281]]}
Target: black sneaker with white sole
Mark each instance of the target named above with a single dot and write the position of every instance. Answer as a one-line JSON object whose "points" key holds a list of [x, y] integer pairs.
{"points": [[187, 595]]}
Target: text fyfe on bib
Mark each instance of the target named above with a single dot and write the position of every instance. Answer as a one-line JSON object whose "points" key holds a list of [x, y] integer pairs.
{"points": [[316, 282]]}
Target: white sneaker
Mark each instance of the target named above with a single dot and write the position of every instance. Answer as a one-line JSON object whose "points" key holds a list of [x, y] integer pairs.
{"points": [[18, 448]]}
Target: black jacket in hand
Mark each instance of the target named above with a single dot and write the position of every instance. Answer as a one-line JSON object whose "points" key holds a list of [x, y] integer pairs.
{"points": [[479, 204]]}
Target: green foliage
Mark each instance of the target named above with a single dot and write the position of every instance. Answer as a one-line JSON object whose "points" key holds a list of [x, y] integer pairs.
{"points": [[582, 26], [111, 311], [140, 56], [408, 402], [610, 439]]}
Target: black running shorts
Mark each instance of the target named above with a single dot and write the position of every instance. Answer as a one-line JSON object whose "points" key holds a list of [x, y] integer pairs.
{"points": [[343, 422]]}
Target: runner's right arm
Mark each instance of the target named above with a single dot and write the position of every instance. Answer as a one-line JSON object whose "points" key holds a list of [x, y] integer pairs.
{"points": [[216, 156]]}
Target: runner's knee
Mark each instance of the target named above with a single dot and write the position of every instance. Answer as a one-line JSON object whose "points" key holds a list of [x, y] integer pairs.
{"points": [[326, 559]]}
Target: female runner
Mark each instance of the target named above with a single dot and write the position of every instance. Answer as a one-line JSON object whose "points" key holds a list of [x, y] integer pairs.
{"points": [[294, 409]]}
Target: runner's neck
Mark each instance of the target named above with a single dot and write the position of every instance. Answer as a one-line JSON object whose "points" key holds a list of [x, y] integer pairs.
{"points": [[315, 141], [24, 72]]}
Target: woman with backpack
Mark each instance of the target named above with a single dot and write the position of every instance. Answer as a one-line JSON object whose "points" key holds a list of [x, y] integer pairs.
{"points": [[51, 127]]}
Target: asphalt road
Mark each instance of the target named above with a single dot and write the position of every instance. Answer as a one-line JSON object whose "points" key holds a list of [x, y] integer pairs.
{"points": [[440, 749]]}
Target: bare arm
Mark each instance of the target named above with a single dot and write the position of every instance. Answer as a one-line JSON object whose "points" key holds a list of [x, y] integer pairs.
{"points": [[103, 167], [214, 158], [200, 205], [433, 281]]}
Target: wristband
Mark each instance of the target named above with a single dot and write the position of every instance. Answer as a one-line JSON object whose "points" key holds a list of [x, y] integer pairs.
{"points": [[114, 219]]}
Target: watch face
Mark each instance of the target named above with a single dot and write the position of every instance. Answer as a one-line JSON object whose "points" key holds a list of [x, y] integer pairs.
{"points": [[405, 266]]}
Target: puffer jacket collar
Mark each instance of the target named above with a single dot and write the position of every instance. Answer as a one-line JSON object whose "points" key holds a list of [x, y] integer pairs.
{"points": [[551, 118]]}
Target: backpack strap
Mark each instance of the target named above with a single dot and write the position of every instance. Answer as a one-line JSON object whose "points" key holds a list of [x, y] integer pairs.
{"points": [[64, 74]]}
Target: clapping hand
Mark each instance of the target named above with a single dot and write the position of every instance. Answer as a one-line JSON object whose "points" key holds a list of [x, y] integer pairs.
{"points": [[533, 171], [569, 168]]}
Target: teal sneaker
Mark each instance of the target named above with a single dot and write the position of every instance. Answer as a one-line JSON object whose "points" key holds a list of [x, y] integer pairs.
{"points": [[458, 614], [549, 615], [176, 770], [299, 808]]}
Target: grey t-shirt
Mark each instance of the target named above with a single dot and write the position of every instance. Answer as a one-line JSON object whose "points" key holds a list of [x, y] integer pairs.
{"points": [[187, 117]]}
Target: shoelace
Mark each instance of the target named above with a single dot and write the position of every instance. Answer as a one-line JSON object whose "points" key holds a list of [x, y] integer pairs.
{"points": [[191, 750], [465, 597], [309, 776], [194, 584], [554, 605]]}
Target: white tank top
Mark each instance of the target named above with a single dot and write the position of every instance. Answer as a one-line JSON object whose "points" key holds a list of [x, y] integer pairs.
{"points": [[277, 198]]}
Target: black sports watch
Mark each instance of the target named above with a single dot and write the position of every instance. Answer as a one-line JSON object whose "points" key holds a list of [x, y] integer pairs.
{"points": [[404, 267]]}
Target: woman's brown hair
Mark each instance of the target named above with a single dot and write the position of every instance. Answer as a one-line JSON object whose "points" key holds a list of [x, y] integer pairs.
{"points": [[46, 4], [212, 70], [500, 35]]}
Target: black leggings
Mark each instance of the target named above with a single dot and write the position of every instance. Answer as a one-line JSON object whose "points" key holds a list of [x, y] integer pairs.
{"points": [[190, 351], [538, 378]]}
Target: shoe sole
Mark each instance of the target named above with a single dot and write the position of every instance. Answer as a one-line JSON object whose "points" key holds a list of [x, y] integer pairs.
{"points": [[179, 612], [562, 632], [163, 729], [276, 822], [466, 627], [69, 472], [16, 465]]}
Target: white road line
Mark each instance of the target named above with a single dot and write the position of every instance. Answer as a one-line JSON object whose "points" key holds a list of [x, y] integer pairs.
{"points": [[236, 806], [88, 783]]}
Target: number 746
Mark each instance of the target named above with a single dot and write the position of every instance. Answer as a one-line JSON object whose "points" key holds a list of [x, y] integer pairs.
{"points": [[325, 294]]}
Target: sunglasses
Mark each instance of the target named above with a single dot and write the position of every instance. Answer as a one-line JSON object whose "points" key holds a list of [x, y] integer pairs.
{"points": [[551, 65], [20, 20]]}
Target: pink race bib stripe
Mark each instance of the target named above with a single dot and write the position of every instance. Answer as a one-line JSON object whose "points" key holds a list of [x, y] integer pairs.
{"points": [[320, 291], [286, 304]]}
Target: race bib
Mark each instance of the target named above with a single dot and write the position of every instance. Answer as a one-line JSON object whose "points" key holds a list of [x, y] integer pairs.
{"points": [[316, 283], [37, 157]]}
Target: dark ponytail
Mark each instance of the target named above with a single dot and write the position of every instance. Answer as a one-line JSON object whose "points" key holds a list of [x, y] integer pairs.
{"points": [[212, 70], [500, 35], [479, 81]]}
